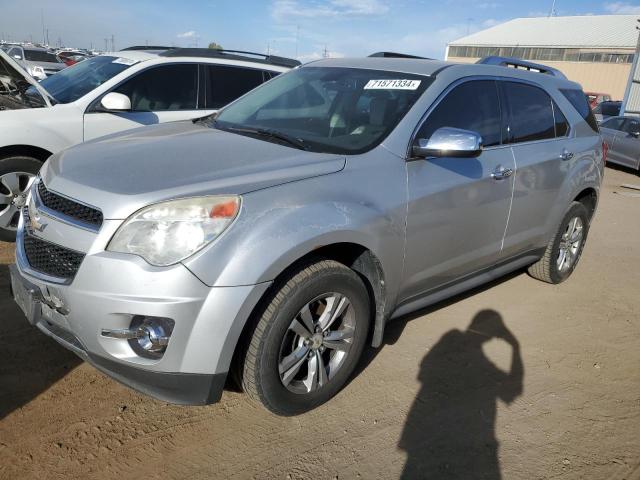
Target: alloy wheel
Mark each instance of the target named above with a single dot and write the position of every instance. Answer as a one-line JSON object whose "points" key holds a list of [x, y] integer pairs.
{"points": [[14, 187], [570, 244], [316, 343]]}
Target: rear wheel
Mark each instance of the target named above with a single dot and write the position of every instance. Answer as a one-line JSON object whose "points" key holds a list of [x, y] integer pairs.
{"points": [[308, 339], [565, 248]]}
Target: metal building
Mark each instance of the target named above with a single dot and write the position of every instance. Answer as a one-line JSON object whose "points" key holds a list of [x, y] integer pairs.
{"points": [[593, 50]]}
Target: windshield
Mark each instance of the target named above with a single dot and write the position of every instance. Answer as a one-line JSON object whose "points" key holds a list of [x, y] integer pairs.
{"points": [[73, 82], [336, 110]]}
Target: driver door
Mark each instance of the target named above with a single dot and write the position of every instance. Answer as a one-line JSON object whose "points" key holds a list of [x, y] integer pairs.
{"points": [[458, 207], [163, 93]]}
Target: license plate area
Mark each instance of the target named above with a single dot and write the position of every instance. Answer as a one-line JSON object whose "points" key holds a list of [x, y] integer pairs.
{"points": [[26, 295]]}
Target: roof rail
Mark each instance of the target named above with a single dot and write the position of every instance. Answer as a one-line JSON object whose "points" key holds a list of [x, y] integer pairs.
{"points": [[521, 64], [232, 55], [145, 47], [396, 55]]}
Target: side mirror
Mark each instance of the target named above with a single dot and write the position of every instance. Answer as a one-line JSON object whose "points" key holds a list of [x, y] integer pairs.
{"points": [[449, 142], [635, 134], [116, 102]]}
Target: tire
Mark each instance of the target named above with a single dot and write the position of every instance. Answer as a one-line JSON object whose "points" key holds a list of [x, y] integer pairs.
{"points": [[15, 175], [549, 268], [269, 361]]}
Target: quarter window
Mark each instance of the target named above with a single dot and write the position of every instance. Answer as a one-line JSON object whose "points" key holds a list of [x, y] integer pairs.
{"points": [[530, 113], [471, 106], [580, 102], [225, 84], [562, 126], [163, 88]]}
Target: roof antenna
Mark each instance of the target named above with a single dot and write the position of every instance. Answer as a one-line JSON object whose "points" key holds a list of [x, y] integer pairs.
{"points": [[552, 12]]}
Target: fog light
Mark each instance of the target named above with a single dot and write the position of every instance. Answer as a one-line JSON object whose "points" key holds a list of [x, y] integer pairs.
{"points": [[147, 336]]}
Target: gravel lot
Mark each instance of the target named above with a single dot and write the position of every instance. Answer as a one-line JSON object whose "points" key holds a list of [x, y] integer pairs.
{"points": [[433, 399]]}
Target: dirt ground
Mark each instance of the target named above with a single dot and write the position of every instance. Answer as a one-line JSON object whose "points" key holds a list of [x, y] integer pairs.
{"points": [[436, 400]]}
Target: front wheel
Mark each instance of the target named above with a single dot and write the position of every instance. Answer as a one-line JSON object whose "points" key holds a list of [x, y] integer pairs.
{"points": [[16, 175], [308, 339], [565, 248]]}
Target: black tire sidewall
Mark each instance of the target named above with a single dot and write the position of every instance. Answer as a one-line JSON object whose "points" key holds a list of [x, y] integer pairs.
{"points": [[342, 281], [18, 163], [577, 209]]}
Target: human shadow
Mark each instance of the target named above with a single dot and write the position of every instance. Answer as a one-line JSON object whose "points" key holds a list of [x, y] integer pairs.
{"points": [[450, 430], [30, 362]]}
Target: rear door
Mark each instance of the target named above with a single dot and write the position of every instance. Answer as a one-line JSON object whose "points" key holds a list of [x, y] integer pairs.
{"points": [[538, 133], [627, 145], [458, 207], [159, 94], [610, 129]]}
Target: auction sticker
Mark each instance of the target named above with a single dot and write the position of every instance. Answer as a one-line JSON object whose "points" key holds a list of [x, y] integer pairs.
{"points": [[392, 84], [124, 61]]}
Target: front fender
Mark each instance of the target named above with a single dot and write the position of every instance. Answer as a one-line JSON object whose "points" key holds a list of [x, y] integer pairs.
{"points": [[278, 226]]}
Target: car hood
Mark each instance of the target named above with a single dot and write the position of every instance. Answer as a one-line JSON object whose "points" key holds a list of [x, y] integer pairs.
{"points": [[124, 172], [13, 76]]}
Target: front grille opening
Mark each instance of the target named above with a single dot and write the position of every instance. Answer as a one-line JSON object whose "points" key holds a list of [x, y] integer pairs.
{"points": [[49, 258], [68, 207]]}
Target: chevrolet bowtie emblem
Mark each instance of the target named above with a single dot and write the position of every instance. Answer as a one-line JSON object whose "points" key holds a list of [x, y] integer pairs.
{"points": [[35, 219]]}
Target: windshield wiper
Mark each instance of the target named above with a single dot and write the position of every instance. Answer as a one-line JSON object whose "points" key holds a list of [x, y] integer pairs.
{"points": [[267, 132]]}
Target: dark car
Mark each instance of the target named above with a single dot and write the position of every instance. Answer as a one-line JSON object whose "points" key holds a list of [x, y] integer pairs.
{"points": [[605, 110]]}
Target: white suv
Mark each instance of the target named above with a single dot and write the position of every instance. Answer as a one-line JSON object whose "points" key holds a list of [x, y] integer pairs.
{"points": [[107, 94]]}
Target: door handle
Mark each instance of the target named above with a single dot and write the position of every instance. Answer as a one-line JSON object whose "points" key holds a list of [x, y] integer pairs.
{"points": [[566, 155], [501, 173]]}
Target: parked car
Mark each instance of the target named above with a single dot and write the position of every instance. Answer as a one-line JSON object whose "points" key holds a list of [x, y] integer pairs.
{"points": [[606, 110], [107, 94], [277, 238], [622, 135], [70, 57], [597, 98], [38, 62]]}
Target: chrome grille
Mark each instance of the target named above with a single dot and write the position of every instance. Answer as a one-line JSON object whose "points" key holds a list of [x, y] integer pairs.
{"points": [[68, 207]]}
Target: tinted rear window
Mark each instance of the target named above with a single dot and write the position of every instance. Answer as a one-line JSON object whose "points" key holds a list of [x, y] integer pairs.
{"points": [[40, 56], [531, 113], [610, 109], [578, 99]]}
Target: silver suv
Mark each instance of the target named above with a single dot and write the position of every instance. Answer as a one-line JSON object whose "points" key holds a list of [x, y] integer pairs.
{"points": [[278, 237]]}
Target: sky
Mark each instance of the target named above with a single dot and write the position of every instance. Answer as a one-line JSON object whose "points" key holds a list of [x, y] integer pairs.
{"points": [[306, 29]]}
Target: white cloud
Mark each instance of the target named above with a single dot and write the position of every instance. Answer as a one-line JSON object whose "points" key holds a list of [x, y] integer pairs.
{"points": [[287, 9], [620, 8], [317, 55], [189, 34]]}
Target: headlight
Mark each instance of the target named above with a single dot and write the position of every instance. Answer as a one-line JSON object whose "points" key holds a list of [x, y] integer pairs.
{"points": [[168, 232]]}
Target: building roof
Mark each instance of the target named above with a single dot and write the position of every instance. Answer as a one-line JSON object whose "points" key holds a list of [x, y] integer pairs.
{"points": [[589, 31]]}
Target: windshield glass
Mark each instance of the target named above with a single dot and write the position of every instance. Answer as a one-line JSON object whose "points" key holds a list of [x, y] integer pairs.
{"points": [[336, 110], [73, 82]]}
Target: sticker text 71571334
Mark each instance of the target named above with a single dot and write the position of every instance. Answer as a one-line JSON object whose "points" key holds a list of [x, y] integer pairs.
{"points": [[392, 84]]}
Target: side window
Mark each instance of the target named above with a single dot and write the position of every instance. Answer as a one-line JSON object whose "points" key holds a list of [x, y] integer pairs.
{"points": [[15, 51], [531, 113], [562, 125], [631, 126], [613, 123], [578, 99], [225, 84], [163, 88], [471, 106]]}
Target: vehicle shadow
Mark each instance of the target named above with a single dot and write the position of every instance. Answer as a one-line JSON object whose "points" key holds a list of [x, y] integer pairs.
{"points": [[450, 429], [30, 361]]}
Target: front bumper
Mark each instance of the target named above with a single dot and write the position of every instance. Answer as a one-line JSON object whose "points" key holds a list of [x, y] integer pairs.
{"points": [[110, 289]]}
